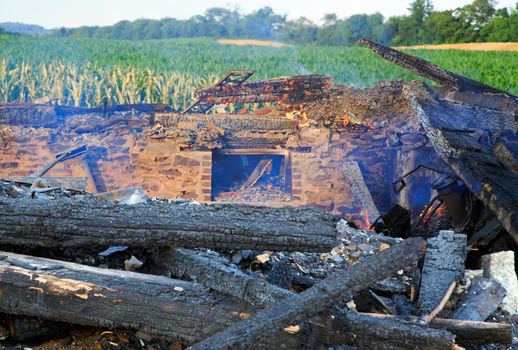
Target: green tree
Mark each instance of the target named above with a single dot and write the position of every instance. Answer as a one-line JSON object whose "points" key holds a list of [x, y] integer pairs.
{"points": [[302, 31], [442, 27], [503, 27], [411, 28], [330, 33]]}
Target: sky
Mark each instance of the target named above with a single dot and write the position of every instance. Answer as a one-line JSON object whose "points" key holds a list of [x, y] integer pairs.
{"points": [[75, 13]]}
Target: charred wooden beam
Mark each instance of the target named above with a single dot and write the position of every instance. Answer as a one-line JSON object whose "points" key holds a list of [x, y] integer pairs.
{"points": [[471, 161], [288, 89], [215, 272], [430, 71], [87, 221], [505, 156], [368, 332], [467, 333], [307, 304], [78, 294], [257, 173], [443, 265]]}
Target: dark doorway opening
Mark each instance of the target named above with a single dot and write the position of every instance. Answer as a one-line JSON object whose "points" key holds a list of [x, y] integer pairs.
{"points": [[250, 177]]}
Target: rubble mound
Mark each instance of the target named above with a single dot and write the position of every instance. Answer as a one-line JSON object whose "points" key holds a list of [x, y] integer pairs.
{"points": [[347, 105]]}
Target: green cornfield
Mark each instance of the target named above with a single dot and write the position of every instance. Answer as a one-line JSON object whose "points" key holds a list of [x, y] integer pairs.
{"points": [[87, 72]]}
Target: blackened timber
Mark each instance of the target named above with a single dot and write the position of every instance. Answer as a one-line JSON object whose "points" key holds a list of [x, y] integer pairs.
{"points": [[430, 71], [354, 177], [467, 333], [215, 272], [299, 307], [258, 172], [376, 333], [90, 296], [443, 265], [505, 156], [336, 327], [86, 221], [471, 161]]}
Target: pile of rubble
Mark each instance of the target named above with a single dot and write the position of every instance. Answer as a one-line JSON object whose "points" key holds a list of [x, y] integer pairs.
{"points": [[354, 287], [120, 269]]}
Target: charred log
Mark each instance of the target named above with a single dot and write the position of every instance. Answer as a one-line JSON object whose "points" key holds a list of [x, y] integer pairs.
{"points": [[86, 221], [467, 333], [377, 333], [72, 293], [217, 273], [316, 299]]}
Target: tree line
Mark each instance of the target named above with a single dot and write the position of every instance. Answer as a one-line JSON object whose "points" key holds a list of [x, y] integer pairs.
{"points": [[479, 21]]}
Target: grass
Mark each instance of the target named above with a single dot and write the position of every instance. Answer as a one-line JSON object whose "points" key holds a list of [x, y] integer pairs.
{"points": [[87, 71]]}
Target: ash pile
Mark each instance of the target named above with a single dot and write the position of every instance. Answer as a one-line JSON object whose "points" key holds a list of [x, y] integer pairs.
{"points": [[121, 269]]}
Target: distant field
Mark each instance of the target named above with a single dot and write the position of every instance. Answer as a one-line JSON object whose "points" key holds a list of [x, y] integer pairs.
{"points": [[241, 42], [513, 47], [88, 71]]}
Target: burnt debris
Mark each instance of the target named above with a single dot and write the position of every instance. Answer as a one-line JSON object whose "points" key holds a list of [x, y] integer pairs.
{"points": [[303, 224]]}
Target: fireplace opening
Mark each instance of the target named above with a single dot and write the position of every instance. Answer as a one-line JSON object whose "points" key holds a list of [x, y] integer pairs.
{"points": [[250, 177]]}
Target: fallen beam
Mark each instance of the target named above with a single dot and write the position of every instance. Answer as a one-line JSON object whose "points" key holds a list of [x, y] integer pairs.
{"points": [[258, 172], [506, 157], [89, 296], [430, 71], [86, 221], [500, 267], [447, 127], [299, 307], [467, 333], [215, 272], [371, 332]]}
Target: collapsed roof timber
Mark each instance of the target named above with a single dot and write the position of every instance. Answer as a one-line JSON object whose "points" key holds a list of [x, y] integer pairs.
{"points": [[322, 153]]}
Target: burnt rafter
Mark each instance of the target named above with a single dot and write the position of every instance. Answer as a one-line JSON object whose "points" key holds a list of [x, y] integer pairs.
{"points": [[430, 71], [231, 79], [471, 161], [232, 88]]}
